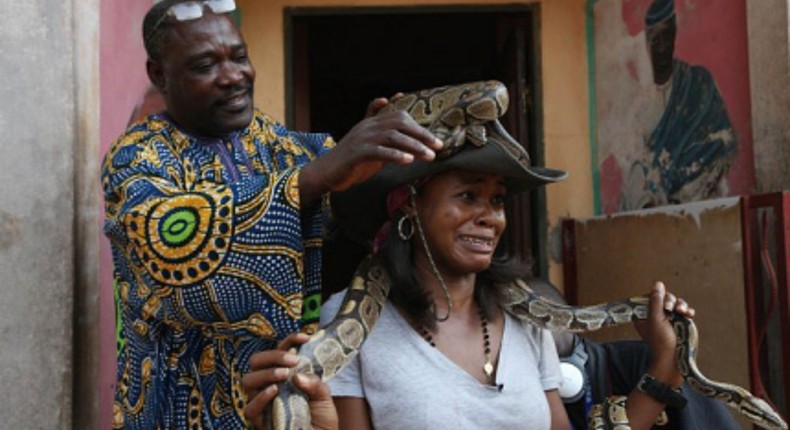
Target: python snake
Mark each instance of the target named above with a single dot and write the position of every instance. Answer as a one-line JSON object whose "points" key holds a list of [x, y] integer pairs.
{"points": [[456, 114]]}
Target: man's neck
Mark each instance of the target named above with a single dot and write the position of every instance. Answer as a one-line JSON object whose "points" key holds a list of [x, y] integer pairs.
{"points": [[194, 135]]}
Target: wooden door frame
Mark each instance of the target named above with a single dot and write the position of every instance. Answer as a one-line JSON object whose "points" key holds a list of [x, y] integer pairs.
{"points": [[535, 144]]}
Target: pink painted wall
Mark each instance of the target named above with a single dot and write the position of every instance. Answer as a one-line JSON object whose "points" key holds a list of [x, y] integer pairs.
{"points": [[123, 81]]}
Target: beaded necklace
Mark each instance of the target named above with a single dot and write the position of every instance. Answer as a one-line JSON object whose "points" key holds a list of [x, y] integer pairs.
{"points": [[488, 367]]}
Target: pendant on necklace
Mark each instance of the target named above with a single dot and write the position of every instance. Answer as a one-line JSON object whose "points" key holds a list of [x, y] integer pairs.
{"points": [[488, 368]]}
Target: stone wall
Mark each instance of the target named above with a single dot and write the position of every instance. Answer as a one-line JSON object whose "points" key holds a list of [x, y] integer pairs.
{"points": [[44, 203], [38, 120]]}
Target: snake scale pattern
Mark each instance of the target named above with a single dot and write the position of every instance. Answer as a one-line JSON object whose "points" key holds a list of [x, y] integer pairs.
{"points": [[456, 114]]}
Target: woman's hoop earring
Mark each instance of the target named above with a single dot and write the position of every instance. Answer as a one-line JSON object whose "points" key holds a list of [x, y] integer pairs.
{"points": [[405, 228]]}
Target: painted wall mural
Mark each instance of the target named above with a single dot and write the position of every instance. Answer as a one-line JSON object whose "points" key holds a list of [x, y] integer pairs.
{"points": [[670, 101]]}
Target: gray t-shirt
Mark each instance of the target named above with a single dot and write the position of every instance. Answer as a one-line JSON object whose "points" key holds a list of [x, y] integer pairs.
{"points": [[409, 384]]}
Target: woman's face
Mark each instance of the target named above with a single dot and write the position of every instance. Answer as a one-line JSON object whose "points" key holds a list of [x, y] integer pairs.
{"points": [[463, 216]]}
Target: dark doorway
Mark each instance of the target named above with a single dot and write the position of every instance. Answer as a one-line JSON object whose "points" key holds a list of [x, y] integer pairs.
{"points": [[340, 59]]}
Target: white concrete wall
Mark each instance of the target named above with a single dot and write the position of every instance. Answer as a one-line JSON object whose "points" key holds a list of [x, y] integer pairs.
{"points": [[87, 223], [42, 136]]}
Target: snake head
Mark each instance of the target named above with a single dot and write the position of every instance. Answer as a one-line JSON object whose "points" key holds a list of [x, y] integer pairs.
{"points": [[761, 413]]}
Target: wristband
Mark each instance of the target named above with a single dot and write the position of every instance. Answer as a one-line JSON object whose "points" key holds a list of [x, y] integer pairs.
{"points": [[661, 392]]}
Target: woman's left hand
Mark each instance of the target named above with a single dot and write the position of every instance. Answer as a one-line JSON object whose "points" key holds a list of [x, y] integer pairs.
{"points": [[657, 331]]}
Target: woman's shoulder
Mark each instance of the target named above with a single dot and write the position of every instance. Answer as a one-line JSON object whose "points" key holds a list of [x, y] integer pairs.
{"points": [[526, 330]]}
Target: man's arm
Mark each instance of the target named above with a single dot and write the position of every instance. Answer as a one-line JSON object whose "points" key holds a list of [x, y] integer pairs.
{"points": [[379, 139]]}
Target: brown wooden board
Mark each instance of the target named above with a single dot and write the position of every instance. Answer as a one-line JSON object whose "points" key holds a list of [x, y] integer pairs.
{"points": [[695, 249]]}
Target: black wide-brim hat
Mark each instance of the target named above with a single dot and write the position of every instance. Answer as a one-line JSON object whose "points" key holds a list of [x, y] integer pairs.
{"points": [[361, 209]]}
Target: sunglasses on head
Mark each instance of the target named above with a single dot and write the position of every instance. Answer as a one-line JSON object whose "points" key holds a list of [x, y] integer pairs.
{"points": [[189, 10]]}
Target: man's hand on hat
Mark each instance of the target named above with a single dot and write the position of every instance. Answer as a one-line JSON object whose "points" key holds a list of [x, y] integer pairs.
{"points": [[390, 137]]}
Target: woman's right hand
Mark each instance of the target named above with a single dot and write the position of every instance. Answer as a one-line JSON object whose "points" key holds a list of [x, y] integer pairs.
{"points": [[657, 331], [272, 367]]}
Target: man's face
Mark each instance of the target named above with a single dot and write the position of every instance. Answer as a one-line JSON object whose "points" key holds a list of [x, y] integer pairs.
{"points": [[205, 76], [661, 46]]}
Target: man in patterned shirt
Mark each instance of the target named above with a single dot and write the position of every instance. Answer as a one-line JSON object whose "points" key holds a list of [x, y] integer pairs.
{"points": [[215, 215]]}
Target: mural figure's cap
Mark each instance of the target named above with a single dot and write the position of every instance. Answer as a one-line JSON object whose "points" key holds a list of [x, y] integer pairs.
{"points": [[660, 10]]}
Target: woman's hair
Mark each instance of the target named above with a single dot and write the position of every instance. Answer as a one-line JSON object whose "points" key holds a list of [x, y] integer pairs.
{"points": [[407, 293]]}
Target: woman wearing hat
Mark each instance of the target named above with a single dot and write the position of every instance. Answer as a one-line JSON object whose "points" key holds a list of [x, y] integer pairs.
{"points": [[443, 353]]}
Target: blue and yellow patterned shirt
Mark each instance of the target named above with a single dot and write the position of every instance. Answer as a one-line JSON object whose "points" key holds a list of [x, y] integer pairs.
{"points": [[214, 258]]}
